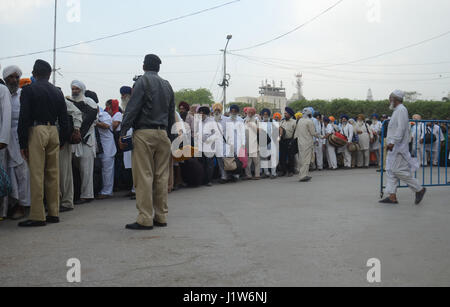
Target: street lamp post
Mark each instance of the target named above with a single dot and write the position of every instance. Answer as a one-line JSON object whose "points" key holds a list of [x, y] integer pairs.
{"points": [[226, 77], [54, 44]]}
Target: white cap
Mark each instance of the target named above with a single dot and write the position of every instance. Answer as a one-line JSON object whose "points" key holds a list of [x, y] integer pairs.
{"points": [[399, 94]]}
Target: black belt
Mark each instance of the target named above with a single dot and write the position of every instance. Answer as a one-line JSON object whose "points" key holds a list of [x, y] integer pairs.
{"points": [[42, 123], [157, 127]]}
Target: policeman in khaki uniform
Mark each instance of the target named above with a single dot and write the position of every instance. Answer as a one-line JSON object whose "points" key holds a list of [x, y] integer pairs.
{"points": [[287, 129], [42, 107], [151, 114]]}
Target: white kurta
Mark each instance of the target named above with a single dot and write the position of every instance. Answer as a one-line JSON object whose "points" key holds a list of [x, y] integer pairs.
{"points": [[399, 163], [17, 167], [364, 137], [376, 128], [235, 134], [5, 115], [118, 117], [109, 151]]}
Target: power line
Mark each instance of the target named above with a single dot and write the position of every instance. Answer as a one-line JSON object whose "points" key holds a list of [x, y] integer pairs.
{"points": [[393, 51], [258, 62], [279, 62], [318, 64], [293, 30], [126, 32], [139, 55]]}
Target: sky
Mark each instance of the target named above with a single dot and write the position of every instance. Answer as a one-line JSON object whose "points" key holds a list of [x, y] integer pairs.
{"points": [[190, 47]]}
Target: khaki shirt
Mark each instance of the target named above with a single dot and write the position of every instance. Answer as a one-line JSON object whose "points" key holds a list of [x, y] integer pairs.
{"points": [[289, 127]]}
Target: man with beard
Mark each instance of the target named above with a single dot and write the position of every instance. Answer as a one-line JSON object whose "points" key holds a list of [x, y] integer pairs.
{"points": [[42, 105], [125, 96], [220, 124], [85, 152], [186, 114], [399, 164], [17, 166]]}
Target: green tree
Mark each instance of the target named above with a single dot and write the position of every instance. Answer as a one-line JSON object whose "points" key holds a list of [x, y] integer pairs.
{"points": [[200, 96], [337, 107]]}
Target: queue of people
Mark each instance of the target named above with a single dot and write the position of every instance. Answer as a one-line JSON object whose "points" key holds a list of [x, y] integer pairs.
{"points": [[60, 152]]}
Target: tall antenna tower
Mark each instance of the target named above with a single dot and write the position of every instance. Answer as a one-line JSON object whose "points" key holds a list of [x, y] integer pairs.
{"points": [[299, 86]]}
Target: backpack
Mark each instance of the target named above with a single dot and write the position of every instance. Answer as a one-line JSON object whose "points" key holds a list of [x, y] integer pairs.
{"points": [[429, 137]]}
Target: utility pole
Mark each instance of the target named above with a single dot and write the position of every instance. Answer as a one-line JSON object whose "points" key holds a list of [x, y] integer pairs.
{"points": [[226, 77], [54, 45]]}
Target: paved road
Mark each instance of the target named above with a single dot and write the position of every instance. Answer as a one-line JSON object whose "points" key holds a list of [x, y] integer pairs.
{"points": [[267, 233]]}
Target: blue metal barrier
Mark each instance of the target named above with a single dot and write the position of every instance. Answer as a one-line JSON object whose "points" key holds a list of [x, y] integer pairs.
{"points": [[418, 133]]}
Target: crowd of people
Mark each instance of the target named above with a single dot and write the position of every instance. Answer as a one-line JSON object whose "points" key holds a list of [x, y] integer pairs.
{"points": [[48, 140]]}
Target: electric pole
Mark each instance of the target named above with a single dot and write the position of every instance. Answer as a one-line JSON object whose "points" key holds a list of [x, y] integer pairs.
{"points": [[226, 77], [54, 45]]}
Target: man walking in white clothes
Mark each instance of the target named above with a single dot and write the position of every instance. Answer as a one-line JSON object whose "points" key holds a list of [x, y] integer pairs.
{"points": [[399, 163]]}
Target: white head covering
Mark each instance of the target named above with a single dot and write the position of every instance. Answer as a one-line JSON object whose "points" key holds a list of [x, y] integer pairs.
{"points": [[10, 70], [398, 94], [307, 112], [80, 85]]}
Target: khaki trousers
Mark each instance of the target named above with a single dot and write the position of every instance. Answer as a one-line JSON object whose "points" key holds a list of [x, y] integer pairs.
{"points": [[305, 161], [151, 157], [66, 176], [43, 148]]}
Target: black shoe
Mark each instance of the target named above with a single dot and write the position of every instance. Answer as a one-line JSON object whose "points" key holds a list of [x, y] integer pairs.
{"points": [[30, 223], [137, 226], [222, 181], [63, 209], [209, 184], [158, 224], [306, 179], [420, 195], [388, 201], [52, 219], [82, 202]]}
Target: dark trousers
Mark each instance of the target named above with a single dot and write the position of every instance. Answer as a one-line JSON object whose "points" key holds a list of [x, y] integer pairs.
{"points": [[287, 160], [208, 168]]}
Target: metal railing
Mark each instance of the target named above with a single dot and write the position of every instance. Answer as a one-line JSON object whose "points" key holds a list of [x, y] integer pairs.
{"points": [[431, 175]]}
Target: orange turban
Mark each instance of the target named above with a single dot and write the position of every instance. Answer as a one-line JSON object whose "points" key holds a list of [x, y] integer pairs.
{"points": [[277, 116], [25, 81]]}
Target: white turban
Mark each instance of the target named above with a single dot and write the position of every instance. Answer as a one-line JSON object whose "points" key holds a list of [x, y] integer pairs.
{"points": [[398, 94], [307, 112], [10, 70], [80, 85]]}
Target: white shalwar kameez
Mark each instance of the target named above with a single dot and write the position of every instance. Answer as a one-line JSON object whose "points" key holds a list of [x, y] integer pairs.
{"points": [[17, 166], [399, 163], [109, 152]]}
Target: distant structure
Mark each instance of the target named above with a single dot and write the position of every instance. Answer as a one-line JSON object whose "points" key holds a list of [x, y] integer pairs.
{"points": [[274, 95], [369, 95]]}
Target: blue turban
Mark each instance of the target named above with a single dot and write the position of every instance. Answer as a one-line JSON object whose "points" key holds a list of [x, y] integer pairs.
{"points": [[376, 116], [235, 107], [266, 111], [290, 111], [326, 120], [345, 116], [125, 90]]}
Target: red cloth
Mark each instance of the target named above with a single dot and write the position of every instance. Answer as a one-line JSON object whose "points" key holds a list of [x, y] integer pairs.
{"points": [[115, 106]]}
